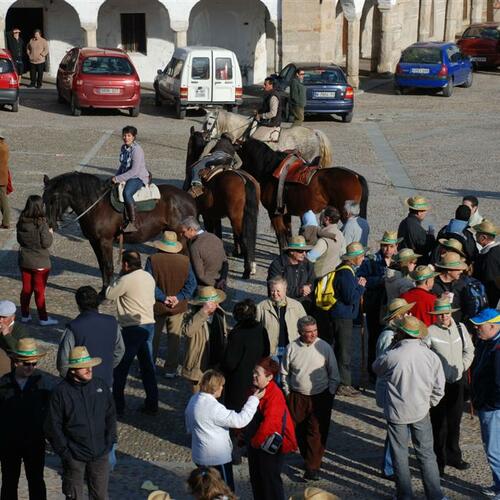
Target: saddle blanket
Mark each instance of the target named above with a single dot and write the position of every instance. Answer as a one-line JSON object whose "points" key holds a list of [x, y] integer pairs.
{"points": [[297, 170], [150, 192]]}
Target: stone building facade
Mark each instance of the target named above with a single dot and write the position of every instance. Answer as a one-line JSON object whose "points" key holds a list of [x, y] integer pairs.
{"points": [[265, 34]]}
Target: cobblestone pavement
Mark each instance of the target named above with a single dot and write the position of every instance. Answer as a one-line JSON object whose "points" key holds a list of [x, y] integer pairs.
{"points": [[443, 148]]}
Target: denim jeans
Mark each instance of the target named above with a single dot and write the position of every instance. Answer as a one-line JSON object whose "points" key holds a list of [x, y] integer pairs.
{"points": [[490, 434], [131, 187], [387, 467], [421, 434], [138, 342]]}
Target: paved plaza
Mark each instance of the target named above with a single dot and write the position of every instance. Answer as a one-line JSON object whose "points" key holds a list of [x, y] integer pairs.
{"points": [[440, 147]]}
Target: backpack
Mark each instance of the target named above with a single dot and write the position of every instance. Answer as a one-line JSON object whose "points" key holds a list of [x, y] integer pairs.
{"points": [[325, 292], [473, 298]]}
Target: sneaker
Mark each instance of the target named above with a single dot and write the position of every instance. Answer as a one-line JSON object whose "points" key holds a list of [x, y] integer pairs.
{"points": [[26, 319], [347, 391], [48, 322], [489, 492]]}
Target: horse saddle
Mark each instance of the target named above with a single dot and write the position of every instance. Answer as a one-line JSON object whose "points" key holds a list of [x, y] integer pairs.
{"points": [[295, 169], [145, 199], [208, 173]]}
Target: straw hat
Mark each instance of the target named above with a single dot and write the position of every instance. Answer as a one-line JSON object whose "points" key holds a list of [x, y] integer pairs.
{"points": [[27, 350], [422, 273], [354, 249], [453, 245], [208, 294], [313, 493], [411, 326], [452, 261], [297, 243], [79, 357], [396, 307], [441, 306], [159, 495], [405, 255], [486, 227], [418, 203], [390, 238], [168, 243], [2, 136]]}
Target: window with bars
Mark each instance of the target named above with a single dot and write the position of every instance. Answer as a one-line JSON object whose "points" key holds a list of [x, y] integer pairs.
{"points": [[133, 32]]}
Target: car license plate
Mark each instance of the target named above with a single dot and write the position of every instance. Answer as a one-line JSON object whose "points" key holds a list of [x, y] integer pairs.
{"points": [[109, 91], [201, 92], [322, 95], [478, 59], [420, 71]]}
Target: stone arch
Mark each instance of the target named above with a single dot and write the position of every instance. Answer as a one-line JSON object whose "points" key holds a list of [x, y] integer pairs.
{"points": [[340, 34], [159, 35], [370, 33], [239, 25]]}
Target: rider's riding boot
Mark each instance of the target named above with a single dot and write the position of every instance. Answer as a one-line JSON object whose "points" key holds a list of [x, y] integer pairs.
{"points": [[196, 189], [130, 211]]}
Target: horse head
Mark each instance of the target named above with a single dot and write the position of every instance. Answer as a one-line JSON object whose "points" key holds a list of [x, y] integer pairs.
{"points": [[211, 125], [55, 202], [195, 146]]}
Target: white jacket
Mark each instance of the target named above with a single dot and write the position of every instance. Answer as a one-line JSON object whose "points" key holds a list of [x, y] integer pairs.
{"points": [[209, 421]]}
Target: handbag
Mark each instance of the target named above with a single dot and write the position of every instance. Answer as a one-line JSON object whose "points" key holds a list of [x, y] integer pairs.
{"points": [[272, 444], [10, 187]]}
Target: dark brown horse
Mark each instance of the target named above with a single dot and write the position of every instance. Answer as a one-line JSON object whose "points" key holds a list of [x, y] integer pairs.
{"points": [[234, 194], [101, 225], [329, 186]]}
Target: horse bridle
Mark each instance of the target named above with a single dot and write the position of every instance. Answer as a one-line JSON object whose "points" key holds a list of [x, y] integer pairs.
{"points": [[207, 133]]}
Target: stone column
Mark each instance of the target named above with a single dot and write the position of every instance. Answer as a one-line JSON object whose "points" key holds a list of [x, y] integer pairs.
{"points": [[352, 57], [424, 23], [180, 38], [386, 63], [476, 15], [450, 23], [90, 35], [2, 32]]}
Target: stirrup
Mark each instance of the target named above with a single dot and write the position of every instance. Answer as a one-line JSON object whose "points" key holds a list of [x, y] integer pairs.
{"points": [[130, 227], [196, 190]]}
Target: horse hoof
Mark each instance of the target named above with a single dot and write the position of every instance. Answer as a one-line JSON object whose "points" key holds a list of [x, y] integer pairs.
{"points": [[253, 269]]}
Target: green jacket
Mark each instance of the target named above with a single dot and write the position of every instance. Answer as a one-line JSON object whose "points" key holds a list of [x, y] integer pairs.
{"points": [[297, 93]]}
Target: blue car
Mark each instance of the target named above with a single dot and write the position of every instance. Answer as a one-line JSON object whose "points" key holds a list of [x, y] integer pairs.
{"points": [[433, 65], [327, 90]]}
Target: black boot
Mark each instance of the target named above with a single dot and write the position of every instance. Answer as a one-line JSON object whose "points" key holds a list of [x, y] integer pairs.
{"points": [[130, 211]]}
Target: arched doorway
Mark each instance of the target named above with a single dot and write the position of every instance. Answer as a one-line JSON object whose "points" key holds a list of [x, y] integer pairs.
{"points": [[59, 22], [142, 29], [370, 34], [239, 25]]}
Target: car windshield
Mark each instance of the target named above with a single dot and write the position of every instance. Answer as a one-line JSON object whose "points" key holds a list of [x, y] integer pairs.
{"points": [[6, 66], [323, 76], [105, 65], [478, 32], [423, 55]]}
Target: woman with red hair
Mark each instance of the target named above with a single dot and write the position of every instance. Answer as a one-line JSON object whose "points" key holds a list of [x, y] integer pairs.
{"points": [[272, 421]]}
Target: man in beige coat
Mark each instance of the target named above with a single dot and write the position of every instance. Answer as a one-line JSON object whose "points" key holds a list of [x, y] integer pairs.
{"points": [[4, 179], [38, 50]]}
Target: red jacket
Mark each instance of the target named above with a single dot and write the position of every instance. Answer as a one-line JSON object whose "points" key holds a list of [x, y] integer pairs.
{"points": [[271, 409], [424, 303]]}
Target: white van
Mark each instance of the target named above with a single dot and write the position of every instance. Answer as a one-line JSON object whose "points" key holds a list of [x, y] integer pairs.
{"points": [[200, 77]]}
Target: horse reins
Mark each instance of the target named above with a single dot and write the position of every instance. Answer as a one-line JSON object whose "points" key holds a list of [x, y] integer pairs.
{"points": [[247, 125], [88, 209]]}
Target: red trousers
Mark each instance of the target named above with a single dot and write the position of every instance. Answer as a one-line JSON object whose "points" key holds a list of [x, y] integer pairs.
{"points": [[34, 280]]}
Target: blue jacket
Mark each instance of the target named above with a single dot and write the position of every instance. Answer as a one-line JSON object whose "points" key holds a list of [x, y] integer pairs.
{"points": [[348, 294], [486, 375], [373, 269]]}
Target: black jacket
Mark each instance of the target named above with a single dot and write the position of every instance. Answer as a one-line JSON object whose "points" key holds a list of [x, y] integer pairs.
{"points": [[465, 237], [266, 107], [487, 270], [486, 375], [81, 423], [16, 47], [416, 237], [457, 288]]}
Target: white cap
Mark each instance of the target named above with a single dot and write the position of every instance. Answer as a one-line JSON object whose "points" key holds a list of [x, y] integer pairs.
{"points": [[7, 308]]}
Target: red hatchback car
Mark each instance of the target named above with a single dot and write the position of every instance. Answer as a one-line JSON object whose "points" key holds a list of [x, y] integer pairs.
{"points": [[481, 42], [98, 78], [9, 81]]}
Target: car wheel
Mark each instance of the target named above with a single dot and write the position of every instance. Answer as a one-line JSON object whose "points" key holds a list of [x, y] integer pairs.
{"points": [[347, 117], [134, 112], [75, 110], [180, 111], [157, 99], [448, 88], [398, 90], [15, 106], [468, 81]]}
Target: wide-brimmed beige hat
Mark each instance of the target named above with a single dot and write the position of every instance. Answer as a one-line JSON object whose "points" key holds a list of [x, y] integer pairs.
{"points": [[441, 306], [159, 495], [396, 307], [208, 294], [313, 493], [2, 136], [412, 326], [168, 243], [390, 238], [486, 227], [422, 273], [79, 357], [418, 203], [353, 250], [453, 245], [27, 350], [297, 243], [452, 261], [405, 255]]}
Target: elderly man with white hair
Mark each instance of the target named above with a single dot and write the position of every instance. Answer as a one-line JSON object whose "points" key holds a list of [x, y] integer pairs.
{"points": [[10, 332], [355, 228]]}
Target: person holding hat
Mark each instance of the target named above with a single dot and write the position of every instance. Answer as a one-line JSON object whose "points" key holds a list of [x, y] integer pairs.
{"points": [[487, 265], [397, 276], [205, 329], [81, 427], [296, 269], [348, 290], [410, 229], [450, 340], [24, 400], [175, 285], [4, 181], [486, 390], [415, 382], [421, 294]]}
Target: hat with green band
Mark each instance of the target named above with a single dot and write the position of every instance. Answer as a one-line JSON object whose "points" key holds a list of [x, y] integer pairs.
{"points": [[422, 273], [208, 294], [411, 326], [79, 357], [397, 307], [390, 238], [168, 243], [442, 306], [297, 243], [451, 244], [452, 261], [486, 227], [405, 255], [353, 250], [27, 349], [418, 203]]}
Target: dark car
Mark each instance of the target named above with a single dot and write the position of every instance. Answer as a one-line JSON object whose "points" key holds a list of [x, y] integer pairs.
{"points": [[433, 65], [9, 81], [98, 78], [327, 90], [481, 42]]}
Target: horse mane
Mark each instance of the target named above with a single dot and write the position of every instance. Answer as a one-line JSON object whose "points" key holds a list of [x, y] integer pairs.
{"points": [[89, 187], [259, 159]]}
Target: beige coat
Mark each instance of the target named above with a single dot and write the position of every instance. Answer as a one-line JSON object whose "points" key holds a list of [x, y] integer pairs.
{"points": [[266, 314], [4, 163], [37, 50]]}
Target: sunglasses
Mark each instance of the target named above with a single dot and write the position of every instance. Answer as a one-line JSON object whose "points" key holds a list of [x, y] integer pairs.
{"points": [[29, 363]]}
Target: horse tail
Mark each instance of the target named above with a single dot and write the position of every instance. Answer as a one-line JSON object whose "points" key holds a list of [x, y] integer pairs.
{"points": [[363, 203], [325, 150], [250, 216]]}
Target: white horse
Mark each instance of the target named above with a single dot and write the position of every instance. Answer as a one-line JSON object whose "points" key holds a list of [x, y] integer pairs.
{"points": [[311, 143]]}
